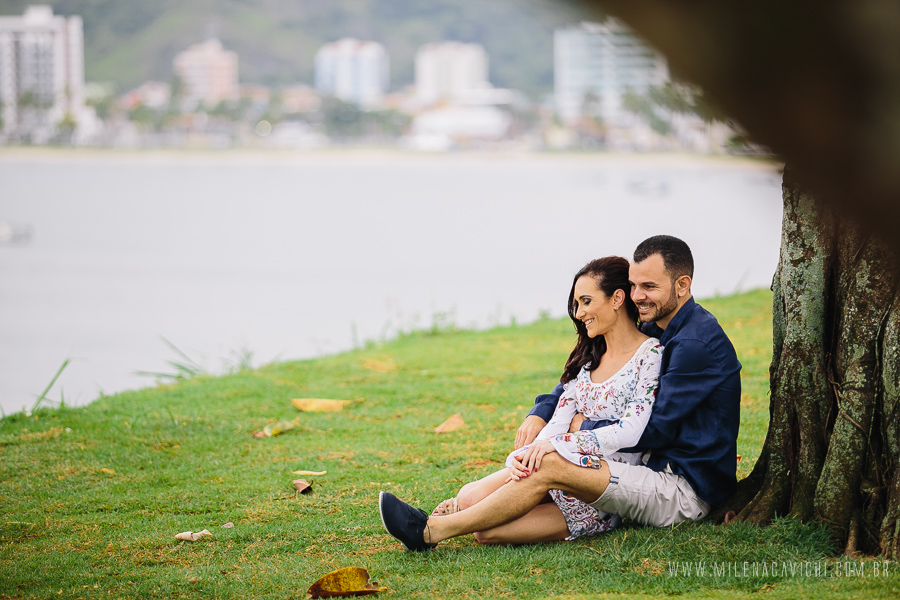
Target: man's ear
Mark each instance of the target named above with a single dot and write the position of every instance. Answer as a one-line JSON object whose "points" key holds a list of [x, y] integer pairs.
{"points": [[683, 286]]}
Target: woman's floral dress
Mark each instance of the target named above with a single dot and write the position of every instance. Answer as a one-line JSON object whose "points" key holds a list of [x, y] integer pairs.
{"points": [[626, 399]]}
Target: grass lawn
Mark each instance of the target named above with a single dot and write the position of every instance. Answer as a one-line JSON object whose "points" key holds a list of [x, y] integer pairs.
{"points": [[91, 498]]}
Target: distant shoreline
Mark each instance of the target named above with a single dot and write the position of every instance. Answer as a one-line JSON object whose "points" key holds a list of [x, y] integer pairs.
{"points": [[51, 155]]}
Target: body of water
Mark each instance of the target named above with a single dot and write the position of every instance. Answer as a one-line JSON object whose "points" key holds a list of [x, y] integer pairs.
{"points": [[293, 256]]}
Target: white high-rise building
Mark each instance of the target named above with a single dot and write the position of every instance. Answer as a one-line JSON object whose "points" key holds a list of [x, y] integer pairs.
{"points": [[445, 70], [354, 71], [41, 71], [603, 59], [208, 72]]}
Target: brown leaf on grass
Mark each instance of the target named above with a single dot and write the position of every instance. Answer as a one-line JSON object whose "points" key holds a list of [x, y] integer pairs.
{"points": [[320, 404], [380, 366], [190, 536], [228, 525], [739, 457], [278, 428], [451, 424], [108, 471], [303, 486], [351, 581]]}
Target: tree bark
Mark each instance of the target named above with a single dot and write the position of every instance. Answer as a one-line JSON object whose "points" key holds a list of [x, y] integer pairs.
{"points": [[832, 451]]}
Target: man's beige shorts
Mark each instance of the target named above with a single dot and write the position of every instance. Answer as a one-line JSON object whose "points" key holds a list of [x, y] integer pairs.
{"points": [[648, 497]]}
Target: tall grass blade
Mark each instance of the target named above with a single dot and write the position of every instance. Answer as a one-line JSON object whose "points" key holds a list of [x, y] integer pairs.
{"points": [[189, 365], [43, 395]]}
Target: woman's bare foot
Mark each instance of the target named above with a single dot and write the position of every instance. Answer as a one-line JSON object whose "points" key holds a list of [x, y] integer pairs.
{"points": [[447, 507]]}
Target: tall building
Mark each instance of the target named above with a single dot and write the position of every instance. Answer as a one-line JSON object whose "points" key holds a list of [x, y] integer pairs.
{"points": [[208, 72], [354, 71], [605, 60], [41, 70], [447, 69]]}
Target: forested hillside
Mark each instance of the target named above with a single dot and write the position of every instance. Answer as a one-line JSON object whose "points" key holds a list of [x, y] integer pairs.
{"points": [[129, 41]]}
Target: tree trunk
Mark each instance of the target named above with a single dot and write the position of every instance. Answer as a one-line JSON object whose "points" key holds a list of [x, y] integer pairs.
{"points": [[832, 452]]}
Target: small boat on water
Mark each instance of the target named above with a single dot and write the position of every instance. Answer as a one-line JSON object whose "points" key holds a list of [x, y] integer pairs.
{"points": [[12, 234]]}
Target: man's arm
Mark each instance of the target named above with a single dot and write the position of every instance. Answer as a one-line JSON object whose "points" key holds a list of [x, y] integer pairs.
{"points": [[690, 377], [545, 404], [540, 415]]}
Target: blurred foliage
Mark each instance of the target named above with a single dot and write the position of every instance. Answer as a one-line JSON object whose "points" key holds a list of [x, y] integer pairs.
{"points": [[276, 40], [644, 107], [674, 97], [344, 120]]}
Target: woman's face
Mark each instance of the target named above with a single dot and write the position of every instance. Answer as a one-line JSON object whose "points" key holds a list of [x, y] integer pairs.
{"points": [[593, 307]]}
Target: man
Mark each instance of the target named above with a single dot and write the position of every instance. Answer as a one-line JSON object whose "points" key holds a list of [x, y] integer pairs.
{"points": [[690, 442]]}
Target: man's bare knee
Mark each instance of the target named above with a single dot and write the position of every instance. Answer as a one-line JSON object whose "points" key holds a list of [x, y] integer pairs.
{"points": [[584, 483]]}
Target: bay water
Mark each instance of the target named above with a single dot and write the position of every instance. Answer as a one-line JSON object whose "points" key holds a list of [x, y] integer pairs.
{"points": [[236, 258]]}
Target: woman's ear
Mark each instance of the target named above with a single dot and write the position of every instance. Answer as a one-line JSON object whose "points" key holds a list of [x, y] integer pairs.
{"points": [[618, 298]]}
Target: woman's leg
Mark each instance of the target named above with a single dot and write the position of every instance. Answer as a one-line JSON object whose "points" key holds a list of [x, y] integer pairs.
{"points": [[476, 491], [472, 493], [545, 523]]}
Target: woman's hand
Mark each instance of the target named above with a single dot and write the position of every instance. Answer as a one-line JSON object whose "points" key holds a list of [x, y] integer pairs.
{"points": [[531, 461], [516, 470], [529, 430]]}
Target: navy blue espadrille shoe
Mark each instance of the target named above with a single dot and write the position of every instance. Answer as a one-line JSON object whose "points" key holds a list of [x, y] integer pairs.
{"points": [[404, 522]]}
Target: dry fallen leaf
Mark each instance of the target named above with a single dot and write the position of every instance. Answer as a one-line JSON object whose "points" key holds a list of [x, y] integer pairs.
{"points": [[274, 429], [108, 471], [303, 486], [351, 581], [228, 525], [309, 472], [190, 536], [380, 366], [320, 404], [739, 457], [451, 424]]}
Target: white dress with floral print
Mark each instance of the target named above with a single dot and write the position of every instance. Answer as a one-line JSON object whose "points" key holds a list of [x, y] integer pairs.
{"points": [[627, 398]]}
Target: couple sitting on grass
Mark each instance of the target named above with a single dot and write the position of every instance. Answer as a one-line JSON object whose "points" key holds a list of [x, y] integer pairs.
{"points": [[642, 426]]}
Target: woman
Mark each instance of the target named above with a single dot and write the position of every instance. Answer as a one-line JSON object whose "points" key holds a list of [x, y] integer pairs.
{"points": [[611, 377]]}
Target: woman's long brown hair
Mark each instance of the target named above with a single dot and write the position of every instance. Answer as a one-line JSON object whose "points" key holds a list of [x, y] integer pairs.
{"points": [[610, 274]]}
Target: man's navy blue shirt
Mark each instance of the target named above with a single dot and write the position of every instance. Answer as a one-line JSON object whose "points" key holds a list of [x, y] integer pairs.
{"points": [[696, 415]]}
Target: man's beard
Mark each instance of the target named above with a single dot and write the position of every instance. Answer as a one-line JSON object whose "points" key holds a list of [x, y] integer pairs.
{"points": [[663, 311]]}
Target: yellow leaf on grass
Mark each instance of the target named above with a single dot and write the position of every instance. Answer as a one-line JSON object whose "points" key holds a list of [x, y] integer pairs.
{"points": [[108, 471], [351, 581], [320, 404], [274, 429], [190, 536], [451, 424], [309, 472]]}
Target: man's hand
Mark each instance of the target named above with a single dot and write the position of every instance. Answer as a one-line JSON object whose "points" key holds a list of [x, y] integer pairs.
{"points": [[577, 420], [531, 426]]}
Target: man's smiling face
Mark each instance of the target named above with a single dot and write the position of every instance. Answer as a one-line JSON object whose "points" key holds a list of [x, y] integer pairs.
{"points": [[653, 290]]}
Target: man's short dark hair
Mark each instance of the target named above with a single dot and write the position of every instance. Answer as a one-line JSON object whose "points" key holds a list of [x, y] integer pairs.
{"points": [[676, 255]]}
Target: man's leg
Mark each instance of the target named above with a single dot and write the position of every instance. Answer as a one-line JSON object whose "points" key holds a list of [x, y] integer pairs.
{"points": [[518, 498]]}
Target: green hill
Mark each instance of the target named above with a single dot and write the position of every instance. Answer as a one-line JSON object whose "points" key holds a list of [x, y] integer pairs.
{"points": [[128, 42]]}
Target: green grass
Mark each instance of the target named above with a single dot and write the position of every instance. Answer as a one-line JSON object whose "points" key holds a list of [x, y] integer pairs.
{"points": [[91, 498]]}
